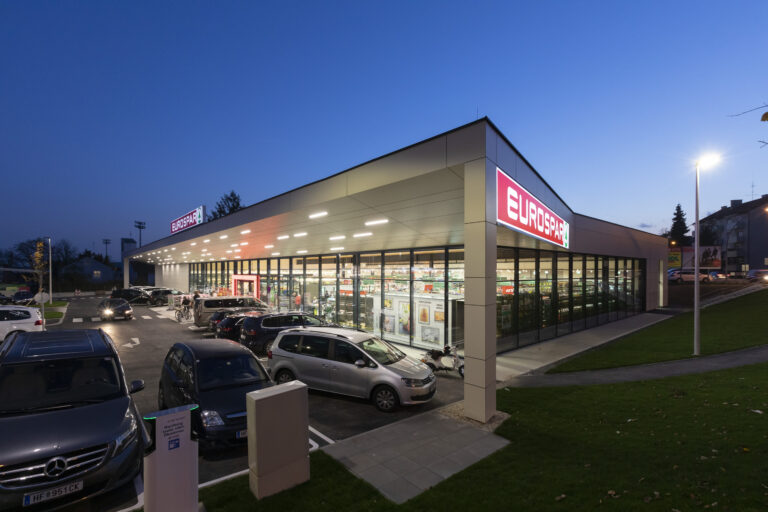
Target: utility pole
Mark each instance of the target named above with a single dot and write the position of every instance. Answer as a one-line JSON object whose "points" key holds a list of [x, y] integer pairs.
{"points": [[140, 225], [106, 242]]}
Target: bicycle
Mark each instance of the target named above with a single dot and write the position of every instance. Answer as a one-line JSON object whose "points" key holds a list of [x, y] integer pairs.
{"points": [[183, 313]]}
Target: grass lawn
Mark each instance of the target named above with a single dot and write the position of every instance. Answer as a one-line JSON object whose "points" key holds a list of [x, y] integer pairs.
{"points": [[52, 315], [683, 443], [732, 325]]}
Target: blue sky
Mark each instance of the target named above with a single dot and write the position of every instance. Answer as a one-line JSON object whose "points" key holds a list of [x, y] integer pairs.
{"points": [[112, 112]]}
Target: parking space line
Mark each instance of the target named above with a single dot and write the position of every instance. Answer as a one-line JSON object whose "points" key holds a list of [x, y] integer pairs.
{"points": [[321, 435], [95, 319], [146, 317], [77, 320]]}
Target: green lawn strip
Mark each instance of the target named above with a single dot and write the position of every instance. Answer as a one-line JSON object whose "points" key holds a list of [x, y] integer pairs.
{"points": [[53, 315], [732, 325], [681, 443]]}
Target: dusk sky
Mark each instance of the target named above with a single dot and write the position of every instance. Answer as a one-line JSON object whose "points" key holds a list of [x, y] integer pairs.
{"points": [[112, 112]]}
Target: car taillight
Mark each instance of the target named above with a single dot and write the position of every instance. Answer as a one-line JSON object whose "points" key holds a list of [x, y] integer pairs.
{"points": [[226, 329], [38, 322], [250, 333], [269, 354]]}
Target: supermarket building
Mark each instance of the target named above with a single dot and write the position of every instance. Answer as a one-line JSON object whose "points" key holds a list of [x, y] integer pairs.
{"points": [[454, 240]]}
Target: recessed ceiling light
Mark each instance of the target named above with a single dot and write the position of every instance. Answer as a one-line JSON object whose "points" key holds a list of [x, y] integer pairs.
{"points": [[360, 235], [233, 245], [283, 237], [268, 246], [317, 215], [338, 237], [303, 251], [376, 222], [210, 259], [243, 243], [206, 240], [193, 244], [245, 231], [173, 248], [228, 251], [238, 257], [335, 249], [299, 235], [238, 250], [275, 254]]}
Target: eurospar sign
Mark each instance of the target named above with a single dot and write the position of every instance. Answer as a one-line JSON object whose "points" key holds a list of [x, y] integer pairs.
{"points": [[520, 210], [189, 220]]}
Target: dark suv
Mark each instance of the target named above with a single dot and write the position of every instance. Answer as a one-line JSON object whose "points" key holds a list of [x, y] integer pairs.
{"points": [[258, 332], [70, 427], [132, 295]]}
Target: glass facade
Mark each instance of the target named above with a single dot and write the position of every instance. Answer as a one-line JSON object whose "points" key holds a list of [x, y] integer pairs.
{"points": [[416, 296]]}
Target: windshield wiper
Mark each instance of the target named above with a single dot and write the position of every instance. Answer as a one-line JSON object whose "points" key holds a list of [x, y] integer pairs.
{"points": [[36, 409], [233, 384]]}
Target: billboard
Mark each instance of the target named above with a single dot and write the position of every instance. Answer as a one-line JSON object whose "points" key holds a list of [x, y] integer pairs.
{"points": [[188, 220], [674, 259], [522, 211], [709, 257]]}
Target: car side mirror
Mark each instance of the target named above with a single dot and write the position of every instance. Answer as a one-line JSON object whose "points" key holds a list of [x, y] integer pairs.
{"points": [[136, 385], [360, 363]]}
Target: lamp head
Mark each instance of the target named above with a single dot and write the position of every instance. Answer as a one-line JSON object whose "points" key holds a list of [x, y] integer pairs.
{"points": [[708, 160]]}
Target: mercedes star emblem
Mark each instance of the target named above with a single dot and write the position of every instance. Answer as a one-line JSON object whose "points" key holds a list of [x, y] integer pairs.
{"points": [[55, 467]]}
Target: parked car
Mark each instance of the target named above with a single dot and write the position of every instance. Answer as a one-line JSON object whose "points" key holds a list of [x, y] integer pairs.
{"points": [[716, 275], [229, 327], [757, 275], [159, 297], [686, 275], [4, 299], [109, 309], [70, 427], [218, 316], [132, 295], [19, 319], [259, 331], [216, 376], [353, 363], [23, 298], [204, 307]]}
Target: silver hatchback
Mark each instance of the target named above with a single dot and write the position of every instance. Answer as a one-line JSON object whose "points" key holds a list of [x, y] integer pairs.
{"points": [[353, 363]]}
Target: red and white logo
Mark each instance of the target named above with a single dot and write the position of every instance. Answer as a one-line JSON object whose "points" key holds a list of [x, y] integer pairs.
{"points": [[191, 219], [520, 210]]}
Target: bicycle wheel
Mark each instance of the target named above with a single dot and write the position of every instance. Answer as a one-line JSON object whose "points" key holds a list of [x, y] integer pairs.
{"points": [[179, 316]]}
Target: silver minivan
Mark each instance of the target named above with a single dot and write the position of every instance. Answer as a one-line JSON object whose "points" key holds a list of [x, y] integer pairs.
{"points": [[351, 362]]}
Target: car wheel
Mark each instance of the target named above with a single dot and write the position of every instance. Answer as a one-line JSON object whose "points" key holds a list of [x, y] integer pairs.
{"points": [[160, 398], [385, 399], [284, 376]]}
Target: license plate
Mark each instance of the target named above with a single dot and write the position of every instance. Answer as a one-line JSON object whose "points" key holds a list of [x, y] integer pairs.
{"points": [[241, 434], [52, 493]]}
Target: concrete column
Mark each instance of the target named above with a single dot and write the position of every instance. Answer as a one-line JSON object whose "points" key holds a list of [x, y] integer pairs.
{"points": [[479, 290], [126, 272]]}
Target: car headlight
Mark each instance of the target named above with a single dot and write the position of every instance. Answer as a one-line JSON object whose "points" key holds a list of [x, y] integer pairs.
{"points": [[413, 383], [107, 311], [127, 437], [211, 419]]}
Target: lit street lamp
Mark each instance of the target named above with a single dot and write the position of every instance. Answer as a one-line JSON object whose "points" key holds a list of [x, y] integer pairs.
{"points": [[704, 162]]}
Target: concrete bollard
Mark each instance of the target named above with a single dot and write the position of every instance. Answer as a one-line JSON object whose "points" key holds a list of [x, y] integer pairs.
{"points": [[278, 446]]}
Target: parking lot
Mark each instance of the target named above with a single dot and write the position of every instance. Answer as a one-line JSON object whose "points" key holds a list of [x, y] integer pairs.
{"points": [[143, 343]]}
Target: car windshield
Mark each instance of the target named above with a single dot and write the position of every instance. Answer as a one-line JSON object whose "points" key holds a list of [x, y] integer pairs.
{"points": [[58, 384], [381, 351], [113, 303], [222, 372]]}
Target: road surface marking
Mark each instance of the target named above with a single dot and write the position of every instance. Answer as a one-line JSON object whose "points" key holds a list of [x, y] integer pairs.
{"points": [[77, 320], [95, 319], [131, 345], [146, 317], [321, 435]]}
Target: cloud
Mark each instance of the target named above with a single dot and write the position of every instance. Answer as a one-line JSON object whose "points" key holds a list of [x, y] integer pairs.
{"points": [[643, 225]]}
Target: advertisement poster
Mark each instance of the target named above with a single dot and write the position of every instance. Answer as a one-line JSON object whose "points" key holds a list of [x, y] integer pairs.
{"points": [[430, 334], [389, 323], [439, 313], [424, 313], [709, 257], [674, 259], [404, 319]]}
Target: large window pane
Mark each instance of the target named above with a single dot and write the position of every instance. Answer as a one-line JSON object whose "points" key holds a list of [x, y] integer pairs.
{"points": [[297, 284], [563, 294], [577, 279], [327, 308], [312, 291], [613, 290], [506, 316], [456, 297], [397, 320], [592, 308], [527, 298], [347, 285], [429, 298], [603, 289], [547, 298], [369, 303]]}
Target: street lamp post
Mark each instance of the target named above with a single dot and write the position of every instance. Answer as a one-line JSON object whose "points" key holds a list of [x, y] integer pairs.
{"points": [[704, 162]]}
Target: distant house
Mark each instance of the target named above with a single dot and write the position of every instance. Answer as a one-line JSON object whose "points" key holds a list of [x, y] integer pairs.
{"points": [[742, 233], [93, 271]]}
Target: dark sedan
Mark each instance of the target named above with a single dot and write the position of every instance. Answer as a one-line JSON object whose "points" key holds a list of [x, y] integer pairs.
{"points": [[258, 332], [229, 328], [110, 309], [216, 375]]}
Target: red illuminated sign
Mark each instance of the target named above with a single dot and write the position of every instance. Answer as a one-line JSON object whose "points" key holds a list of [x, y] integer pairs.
{"points": [[520, 210], [191, 219]]}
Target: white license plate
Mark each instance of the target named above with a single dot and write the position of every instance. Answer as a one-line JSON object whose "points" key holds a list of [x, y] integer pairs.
{"points": [[241, 434], [52, 493]]}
